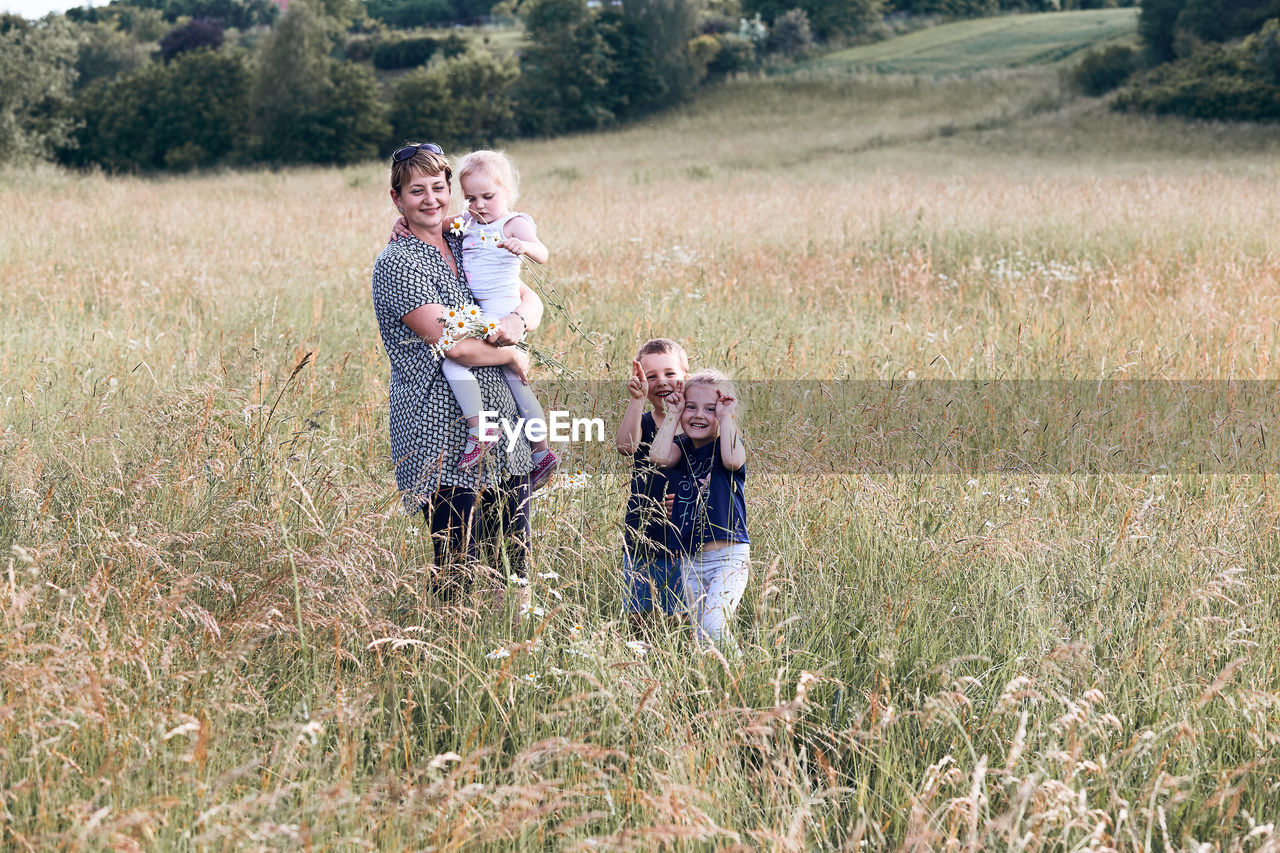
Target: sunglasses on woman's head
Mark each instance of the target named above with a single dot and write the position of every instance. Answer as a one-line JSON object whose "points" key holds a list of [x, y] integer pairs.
{"points": [[402, 154]]}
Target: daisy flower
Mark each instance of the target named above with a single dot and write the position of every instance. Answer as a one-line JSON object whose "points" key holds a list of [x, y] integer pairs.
{"points": [[498, 654], [517, 580]]}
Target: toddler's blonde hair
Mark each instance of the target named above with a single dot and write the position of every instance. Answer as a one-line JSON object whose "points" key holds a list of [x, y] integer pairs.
{"points": [[497, 166]]}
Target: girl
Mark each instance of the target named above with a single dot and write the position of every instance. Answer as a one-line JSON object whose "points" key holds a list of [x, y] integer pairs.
{"points": [[494, 238], [650, 560], [707, 469]]}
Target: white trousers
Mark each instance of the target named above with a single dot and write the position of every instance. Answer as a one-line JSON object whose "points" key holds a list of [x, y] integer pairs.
{"points": [[466, 390], [714, 582]]}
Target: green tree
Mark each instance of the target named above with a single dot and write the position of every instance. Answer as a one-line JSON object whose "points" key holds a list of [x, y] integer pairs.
{"points": [[465, 102], [828, 18], [106, 52], [183, 114], [37, 67], [307, 106], [565, 72]]}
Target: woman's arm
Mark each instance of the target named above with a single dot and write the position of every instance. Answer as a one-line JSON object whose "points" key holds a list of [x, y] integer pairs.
{"points": [[664, 452], [520, 237], [427, 322], [733, 453]]}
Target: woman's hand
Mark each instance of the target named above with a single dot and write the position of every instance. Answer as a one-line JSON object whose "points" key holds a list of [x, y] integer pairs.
{"points": [[725, 407], [519, 364], [510, 330], [637, 385], [400, 229]]}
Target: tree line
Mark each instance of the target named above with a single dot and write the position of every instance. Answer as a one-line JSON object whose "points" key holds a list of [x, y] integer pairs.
{"points": [[1199, 59], [148, 85]]}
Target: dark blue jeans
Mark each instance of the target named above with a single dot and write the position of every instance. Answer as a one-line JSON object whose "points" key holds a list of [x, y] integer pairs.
{"points": [[470, 527]]}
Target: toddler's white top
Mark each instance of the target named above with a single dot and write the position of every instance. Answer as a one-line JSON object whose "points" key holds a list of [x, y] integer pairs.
{"points": [[493, 274]]}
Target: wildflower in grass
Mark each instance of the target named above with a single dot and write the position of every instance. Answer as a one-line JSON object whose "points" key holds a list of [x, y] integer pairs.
{"points": [[527, 608], [190, 725], [576, 632], [555, 593], [498, 654], [310, 731], [517, 580], [640, 647], [443, 759], [549, 576]]}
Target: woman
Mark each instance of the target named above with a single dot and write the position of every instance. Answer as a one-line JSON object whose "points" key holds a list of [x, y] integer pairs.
{"points": [[414, 281]]}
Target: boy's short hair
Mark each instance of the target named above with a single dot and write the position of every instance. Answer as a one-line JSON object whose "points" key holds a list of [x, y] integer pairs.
{"points": [[658, 346]]}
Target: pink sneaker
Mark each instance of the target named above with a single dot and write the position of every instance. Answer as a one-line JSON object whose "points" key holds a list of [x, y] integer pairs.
{"points": [[542, 471], [473, 452]]}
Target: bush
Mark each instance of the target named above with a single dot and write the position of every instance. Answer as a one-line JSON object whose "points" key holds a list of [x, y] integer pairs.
{"points": [[309, 107], [735, 54], [790, 34], [37, 65], [1266, 48], [201, 32], [185, 114], [828, 18], [465, 102], [1104, 70], [404, 53], [1213, 83], [406, 14], [360, 48], [106, 53]]}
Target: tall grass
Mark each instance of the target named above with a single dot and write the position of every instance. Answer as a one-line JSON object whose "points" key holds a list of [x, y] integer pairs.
{"points": [[215, 627]]}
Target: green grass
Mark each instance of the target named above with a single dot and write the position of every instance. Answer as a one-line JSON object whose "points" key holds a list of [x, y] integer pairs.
{"points": [[1007, 41], [215, 632]]}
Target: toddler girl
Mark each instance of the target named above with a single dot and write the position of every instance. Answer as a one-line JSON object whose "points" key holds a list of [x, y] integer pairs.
{"points": [[706, 466], [494, 239]]}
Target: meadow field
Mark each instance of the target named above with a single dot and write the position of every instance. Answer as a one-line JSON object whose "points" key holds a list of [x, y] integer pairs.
{"points": [[214, 630]]}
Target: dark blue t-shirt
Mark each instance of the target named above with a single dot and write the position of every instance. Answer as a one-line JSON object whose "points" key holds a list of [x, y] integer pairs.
{"points": [[710, 499], [648, 533]]}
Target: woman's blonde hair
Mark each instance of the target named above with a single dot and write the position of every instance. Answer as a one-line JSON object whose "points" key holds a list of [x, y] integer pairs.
{"points": [[497, 166]]}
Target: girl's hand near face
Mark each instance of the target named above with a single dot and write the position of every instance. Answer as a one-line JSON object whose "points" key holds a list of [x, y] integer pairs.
{"points": [[637, 385], [675, 403], [400, 229], [725, 407]]}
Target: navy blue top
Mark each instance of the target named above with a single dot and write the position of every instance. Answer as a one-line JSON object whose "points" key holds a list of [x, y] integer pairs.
{"points": [[710, 499], [648, 533]]}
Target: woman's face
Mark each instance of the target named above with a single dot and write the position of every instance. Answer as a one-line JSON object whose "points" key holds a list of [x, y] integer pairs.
{"points": [[486, 199], [425, 201]]}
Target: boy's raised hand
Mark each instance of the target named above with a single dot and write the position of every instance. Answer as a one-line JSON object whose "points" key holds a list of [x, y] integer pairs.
{"points": [[725, 407], [637, 385]]}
